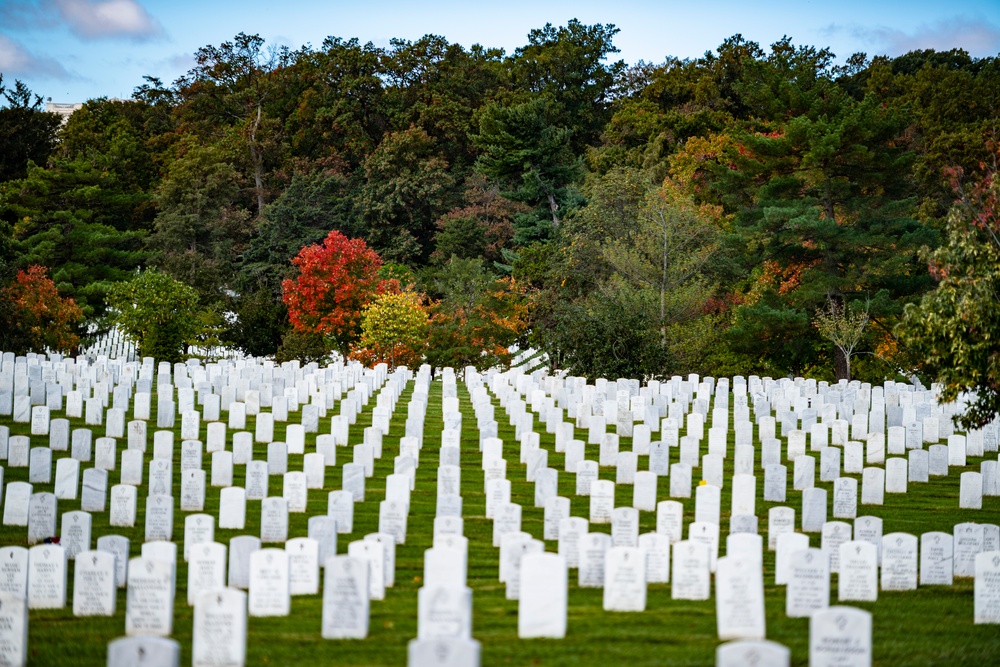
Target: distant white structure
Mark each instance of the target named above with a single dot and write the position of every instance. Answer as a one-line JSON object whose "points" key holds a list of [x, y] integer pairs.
{"points": [[64, 110]]}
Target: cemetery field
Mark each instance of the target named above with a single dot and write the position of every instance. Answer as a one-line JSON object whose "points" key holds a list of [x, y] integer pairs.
{"points": [[932, 625]]}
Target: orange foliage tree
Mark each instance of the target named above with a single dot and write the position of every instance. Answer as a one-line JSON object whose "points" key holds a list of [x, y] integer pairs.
{"points": [[478, 318], [336, 280], [35, 317]]}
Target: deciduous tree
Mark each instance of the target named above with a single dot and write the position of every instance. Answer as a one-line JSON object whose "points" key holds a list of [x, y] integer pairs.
{"points": [[198, 231], [336, 280], [952, 333], [407, 187], [393, 330], [33, 317], [27, 132], [157, 312], [477, 317]]}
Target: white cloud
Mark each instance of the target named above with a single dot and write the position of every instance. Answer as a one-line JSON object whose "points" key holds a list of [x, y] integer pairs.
{"points": [[16, 60], [977, 36], [97, 19]]}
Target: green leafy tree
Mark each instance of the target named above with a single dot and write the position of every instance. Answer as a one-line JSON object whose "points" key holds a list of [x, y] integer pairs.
{"points": [[843, 325], [393, 330], [665, 252], [614, 200], [303, 346], [407, 187], [607, 334], [635, 278], [123, 137], [232, 87], [952, 332], [211, 337], [157, 312], [198, 233], [260, 321], [477, 316], [341, 112], [27, 132], [438, 87]]}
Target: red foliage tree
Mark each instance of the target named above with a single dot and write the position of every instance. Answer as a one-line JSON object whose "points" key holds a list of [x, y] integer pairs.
{"points": [[36, 317], [336, 280]]}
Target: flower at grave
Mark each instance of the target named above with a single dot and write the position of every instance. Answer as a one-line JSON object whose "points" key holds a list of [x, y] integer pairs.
{"points": [[703, 482]]}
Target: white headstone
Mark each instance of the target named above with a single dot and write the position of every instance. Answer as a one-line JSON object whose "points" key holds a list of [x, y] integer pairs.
{"points": [[151, 651], [739, 597], [14, 571], [899, 562], [840, 637], [220, 629], [987, 588], [808, 583], [755, 653], [542, 607], [13, 630], [303, 566], [94, 590], [593, 548], [690, 576], [858, 576], [269, 593], [345, 598], [149, 608], [206, 569], [240, 548], [47, 577], [936, 555], [968, 542]]}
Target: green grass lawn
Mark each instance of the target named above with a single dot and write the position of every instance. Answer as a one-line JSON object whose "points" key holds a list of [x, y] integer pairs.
{"points": [[929, 626]]}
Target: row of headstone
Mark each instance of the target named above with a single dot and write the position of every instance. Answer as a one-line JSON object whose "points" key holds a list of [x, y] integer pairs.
{"points": [[844, 505], [918, 467], [263, 581], [624, 596], [444, 601]]}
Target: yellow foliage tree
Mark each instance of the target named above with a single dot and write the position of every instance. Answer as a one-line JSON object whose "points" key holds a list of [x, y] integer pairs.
{"points": [[393, 330]]}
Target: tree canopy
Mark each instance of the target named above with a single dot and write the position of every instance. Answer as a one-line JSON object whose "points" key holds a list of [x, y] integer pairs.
{"points": [[702, 215]]}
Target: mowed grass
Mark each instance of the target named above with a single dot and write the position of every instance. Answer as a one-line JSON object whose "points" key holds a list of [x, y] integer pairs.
{"points": [[929, 626]]}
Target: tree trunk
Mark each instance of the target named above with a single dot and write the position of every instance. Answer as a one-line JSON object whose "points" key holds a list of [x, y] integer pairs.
{"points": [[553, 206], [841, 364], [258, 163]]}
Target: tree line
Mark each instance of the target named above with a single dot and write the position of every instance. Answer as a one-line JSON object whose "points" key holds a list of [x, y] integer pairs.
{"points": [[755, 210]]}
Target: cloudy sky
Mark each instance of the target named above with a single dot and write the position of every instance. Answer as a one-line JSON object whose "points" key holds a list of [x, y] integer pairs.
{"points": [[74, 50]]}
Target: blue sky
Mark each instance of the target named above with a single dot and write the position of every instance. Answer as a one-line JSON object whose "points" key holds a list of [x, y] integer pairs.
{"points": [[74, 50]]}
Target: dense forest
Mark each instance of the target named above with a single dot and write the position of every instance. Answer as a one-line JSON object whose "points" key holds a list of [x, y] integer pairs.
{"points": [[756, 210]]}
